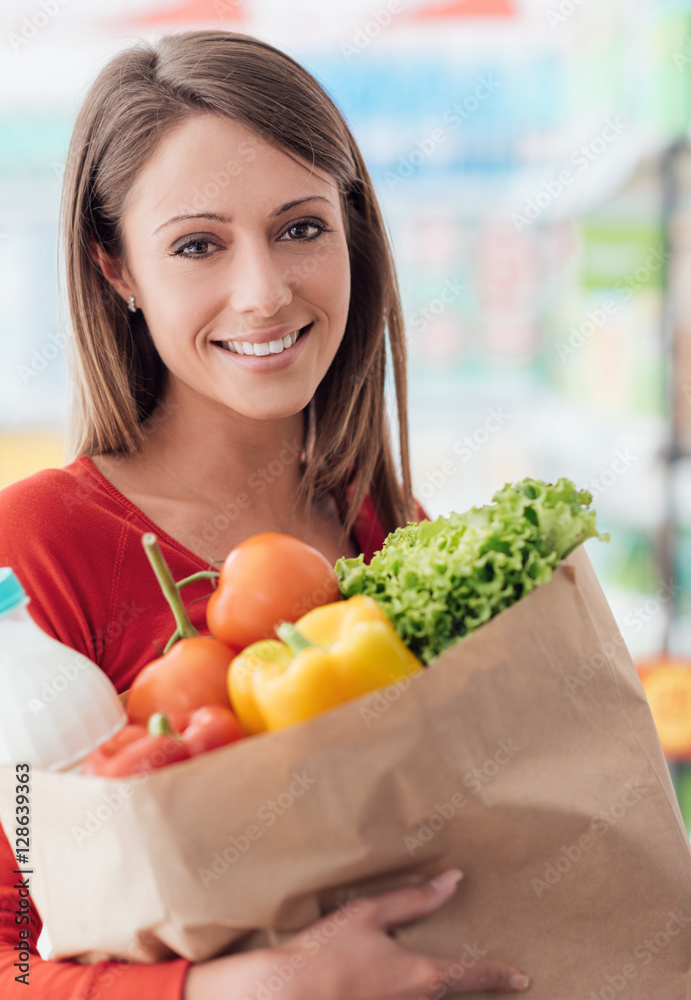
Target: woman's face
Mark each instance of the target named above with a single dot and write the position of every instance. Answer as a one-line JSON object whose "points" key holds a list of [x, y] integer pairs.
{"points": [[225, 297]]}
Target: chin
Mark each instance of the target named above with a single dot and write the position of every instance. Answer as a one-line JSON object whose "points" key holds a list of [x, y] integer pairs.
{"points": [[272, 409]]}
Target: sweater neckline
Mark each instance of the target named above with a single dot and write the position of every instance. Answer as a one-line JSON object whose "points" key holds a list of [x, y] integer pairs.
{"points": [[92, 469]]}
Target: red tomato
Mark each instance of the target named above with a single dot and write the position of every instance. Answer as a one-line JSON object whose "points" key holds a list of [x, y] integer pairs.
{"points": [[146, 754], [133, 751], [191, 674], [98, 761], [210, 727], [179, 721], [267, 579]]}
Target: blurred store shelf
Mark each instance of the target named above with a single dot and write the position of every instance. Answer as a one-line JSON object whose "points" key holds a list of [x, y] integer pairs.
{"points": [[22, 454]]}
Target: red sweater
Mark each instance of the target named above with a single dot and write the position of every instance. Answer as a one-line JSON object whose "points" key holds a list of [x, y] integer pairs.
{"points": [[75, 544]]}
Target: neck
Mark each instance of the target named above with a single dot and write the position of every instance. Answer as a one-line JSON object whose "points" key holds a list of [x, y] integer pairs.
{"points": [[207, 454]]}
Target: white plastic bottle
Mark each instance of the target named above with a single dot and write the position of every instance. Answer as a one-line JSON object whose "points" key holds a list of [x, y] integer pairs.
{"points": [[55, 704]]}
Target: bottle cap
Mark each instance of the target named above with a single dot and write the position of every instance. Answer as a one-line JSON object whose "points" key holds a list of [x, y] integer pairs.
{"points": [[11, 591]]}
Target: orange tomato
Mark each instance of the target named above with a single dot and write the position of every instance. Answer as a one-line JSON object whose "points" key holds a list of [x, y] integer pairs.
{"points": [[267, 579], [191, 674]]}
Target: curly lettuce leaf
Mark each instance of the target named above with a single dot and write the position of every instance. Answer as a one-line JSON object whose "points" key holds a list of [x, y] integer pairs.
{"points": [[440, 580]]}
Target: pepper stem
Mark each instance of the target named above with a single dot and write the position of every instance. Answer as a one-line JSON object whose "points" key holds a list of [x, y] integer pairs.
{"points": [[168, 585], [292, 637]]}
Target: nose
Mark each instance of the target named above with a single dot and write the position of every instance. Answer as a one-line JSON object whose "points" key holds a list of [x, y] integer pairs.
{"points": [[259, 284]]}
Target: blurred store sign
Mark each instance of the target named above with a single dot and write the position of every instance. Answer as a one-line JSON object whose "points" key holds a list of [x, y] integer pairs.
{"points": [[667, 686], [467, 8], [189, 12]]}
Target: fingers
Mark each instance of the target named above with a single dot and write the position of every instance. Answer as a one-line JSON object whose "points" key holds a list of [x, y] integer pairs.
{"points": [[480, 977], [403, 906]]}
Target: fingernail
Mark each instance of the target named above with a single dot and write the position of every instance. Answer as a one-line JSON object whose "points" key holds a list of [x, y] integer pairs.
{"points": [[518, 981], [447, 879]]}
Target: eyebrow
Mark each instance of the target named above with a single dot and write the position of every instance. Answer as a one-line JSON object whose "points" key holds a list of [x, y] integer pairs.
{"points": [[226, 218]]}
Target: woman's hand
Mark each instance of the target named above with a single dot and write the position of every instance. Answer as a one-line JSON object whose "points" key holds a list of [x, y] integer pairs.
{"points": [[348, 955]]}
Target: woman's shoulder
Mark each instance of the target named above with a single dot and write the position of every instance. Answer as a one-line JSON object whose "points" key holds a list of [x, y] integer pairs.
{"points": [[60, 537], [48, 493], [60, 523], [54, 503]]}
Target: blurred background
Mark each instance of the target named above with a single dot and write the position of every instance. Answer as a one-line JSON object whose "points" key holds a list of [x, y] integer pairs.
{"points": [[533, 166]]}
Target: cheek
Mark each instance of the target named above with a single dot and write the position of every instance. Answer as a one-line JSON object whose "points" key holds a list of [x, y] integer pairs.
{"points": [[331, 286], [178, 310]]}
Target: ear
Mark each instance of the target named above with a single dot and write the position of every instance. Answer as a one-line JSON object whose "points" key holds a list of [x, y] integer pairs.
{"points": [[112, 271]]}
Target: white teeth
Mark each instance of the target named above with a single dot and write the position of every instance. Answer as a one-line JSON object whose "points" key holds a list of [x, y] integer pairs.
{"points": [[260, 350]]}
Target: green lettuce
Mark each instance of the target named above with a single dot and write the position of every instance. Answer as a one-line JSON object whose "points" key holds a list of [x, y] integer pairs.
{"points": [[440, 580]]}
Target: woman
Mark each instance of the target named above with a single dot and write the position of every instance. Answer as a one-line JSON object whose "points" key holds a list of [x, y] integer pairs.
{"points": [[231, 292]]}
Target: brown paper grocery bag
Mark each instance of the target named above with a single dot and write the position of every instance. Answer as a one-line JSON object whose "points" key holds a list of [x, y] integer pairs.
{"points": [[526, 755]]}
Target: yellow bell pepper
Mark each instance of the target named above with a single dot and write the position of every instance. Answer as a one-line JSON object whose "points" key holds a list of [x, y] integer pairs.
{"points": [[332, 654]]}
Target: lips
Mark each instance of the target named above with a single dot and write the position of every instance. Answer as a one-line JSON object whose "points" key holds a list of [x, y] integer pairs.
{"points": [[267, 361], [262, 348]]}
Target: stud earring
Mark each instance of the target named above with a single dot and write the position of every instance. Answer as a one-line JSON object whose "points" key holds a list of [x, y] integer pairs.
{"points": [[131, 306]]}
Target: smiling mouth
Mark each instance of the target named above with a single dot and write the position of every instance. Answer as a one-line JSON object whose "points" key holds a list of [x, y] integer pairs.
{"points": [[243, 348]]}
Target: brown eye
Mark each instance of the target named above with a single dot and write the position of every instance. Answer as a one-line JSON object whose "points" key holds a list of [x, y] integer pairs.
{"points": [[198, 241], [299, 232]]}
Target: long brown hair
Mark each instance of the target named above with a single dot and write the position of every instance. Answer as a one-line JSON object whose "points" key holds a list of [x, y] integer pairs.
{"points": [[119, 378]]}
